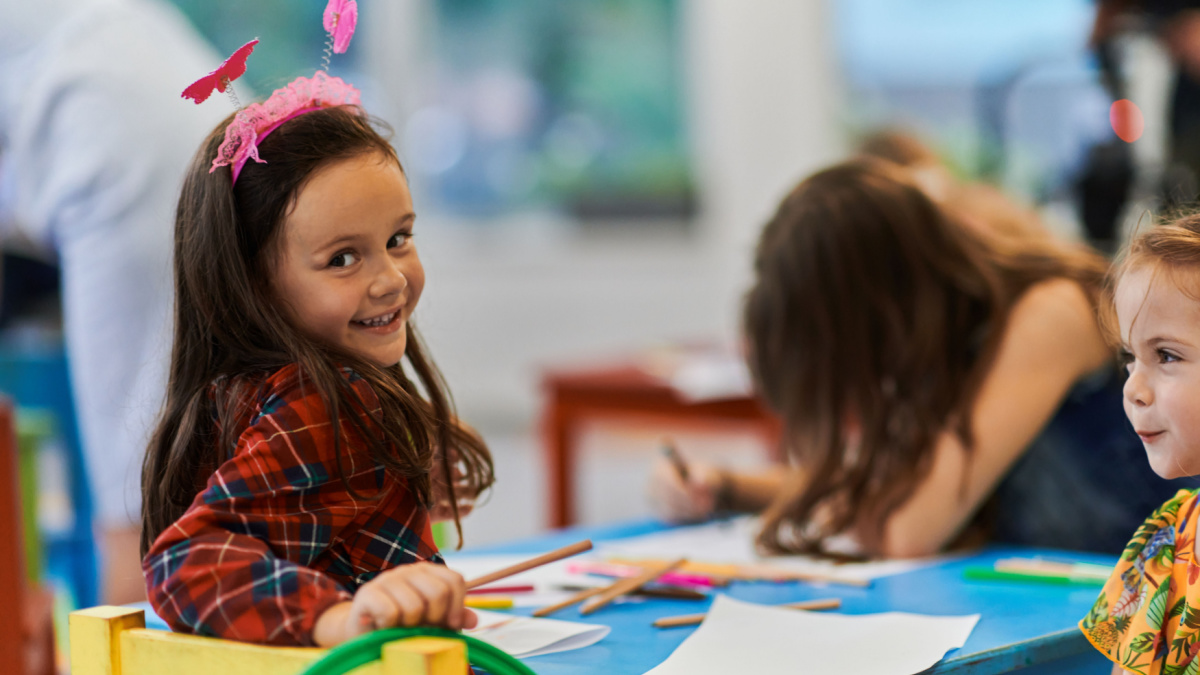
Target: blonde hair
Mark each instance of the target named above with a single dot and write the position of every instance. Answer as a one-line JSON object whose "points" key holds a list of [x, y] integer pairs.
{"points": [[1171, 247]]}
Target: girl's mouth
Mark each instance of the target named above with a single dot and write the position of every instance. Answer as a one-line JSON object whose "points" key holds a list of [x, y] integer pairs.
{"points": [[384, 323], [1149, 436]]}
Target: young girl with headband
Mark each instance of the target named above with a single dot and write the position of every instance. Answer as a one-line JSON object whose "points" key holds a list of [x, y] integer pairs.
{"points": [[307, 441], [1147, 618]]}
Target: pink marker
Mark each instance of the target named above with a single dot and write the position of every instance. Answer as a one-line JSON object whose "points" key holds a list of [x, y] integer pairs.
{"points": [[619, 571]]}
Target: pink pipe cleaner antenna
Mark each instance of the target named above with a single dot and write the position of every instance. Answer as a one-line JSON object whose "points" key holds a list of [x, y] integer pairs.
{"points": [[340, 20]]}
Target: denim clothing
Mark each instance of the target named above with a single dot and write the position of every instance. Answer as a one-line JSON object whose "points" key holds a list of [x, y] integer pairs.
{"points": [[1085, 482]]}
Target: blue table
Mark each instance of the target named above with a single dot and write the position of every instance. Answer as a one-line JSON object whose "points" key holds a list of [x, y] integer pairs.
{"points": [[1022, 625]]}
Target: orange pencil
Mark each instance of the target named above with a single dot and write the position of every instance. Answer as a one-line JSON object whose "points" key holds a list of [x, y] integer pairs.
{"points": [[628, 584], [693, 619]]}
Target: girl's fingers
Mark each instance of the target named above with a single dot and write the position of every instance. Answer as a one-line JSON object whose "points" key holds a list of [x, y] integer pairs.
{"points": [[409, 602], [470, 619], [372, 608], [457, 610], [443, 591]]}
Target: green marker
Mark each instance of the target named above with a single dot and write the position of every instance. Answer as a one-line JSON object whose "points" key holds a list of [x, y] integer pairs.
{"points": [[990, 574]]}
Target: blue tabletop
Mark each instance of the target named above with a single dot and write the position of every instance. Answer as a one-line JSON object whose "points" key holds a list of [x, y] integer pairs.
{"points": [[1021, 624]]}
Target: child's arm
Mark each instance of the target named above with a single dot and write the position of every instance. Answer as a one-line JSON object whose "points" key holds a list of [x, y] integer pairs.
{"points": [[1051, 340], [238, 563], [410, 595]]}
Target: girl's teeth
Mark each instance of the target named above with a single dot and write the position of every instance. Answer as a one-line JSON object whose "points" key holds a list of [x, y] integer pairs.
{"points": [[381, 321]]}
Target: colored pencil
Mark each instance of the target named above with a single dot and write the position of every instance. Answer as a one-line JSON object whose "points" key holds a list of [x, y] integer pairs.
{"points": [[624, 586], [676, 578], [516, 588], [559, 554], [578, 597], [672, 454], [488, 602], [992, 574], [693, 619]]}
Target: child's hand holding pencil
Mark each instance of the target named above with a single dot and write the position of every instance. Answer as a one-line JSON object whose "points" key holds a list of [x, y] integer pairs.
{"points": [[683, 491]]}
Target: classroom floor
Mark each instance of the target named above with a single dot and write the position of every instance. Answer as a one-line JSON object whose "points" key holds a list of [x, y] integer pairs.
{"points": [[613, 465]]}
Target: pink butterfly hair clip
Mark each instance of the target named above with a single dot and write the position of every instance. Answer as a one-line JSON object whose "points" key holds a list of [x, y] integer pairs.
{"points": [[219, 79]]}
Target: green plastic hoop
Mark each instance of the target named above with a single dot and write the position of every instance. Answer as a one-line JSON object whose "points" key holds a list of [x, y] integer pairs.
{"points": [[367, 648]]}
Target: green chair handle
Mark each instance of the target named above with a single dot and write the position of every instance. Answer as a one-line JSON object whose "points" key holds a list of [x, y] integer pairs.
{"points": [[367, 648]]}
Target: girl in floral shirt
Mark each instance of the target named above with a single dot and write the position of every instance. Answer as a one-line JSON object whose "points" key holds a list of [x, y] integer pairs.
{"points": [[1147, 619]]}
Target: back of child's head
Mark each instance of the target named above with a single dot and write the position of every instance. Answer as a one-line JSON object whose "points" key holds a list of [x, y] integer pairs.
{"points": [[231, 324], [873, 304]]}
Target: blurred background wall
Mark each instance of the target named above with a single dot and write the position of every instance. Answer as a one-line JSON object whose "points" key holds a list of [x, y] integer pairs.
{"points": [[591, 177]]}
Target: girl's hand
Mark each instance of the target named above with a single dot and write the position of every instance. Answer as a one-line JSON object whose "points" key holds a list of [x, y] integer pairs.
{"points": [[420, 594], [678, 501]]}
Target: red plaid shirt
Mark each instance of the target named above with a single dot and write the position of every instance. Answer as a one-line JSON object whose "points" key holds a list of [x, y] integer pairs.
{"points": [[275, 539]]}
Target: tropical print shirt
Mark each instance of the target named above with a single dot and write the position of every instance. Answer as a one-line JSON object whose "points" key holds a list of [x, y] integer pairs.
{"points": [[275, 537], [1147, 618]]}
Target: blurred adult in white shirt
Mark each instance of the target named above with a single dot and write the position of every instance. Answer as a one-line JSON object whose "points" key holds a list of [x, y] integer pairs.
{"points": [[94, 139]]}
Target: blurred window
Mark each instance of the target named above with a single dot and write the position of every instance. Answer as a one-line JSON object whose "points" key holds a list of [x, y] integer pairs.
{"points": [[569, 107], [573, 106], [1006, 89]]}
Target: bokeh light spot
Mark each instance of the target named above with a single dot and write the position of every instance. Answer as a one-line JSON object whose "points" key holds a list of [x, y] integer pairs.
{"points": [[1127, 120]]}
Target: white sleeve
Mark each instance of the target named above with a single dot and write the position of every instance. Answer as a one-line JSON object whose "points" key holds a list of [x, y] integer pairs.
{"points": [[98, 141]]}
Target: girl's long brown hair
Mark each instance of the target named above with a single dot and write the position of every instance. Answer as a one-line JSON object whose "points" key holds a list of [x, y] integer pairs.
{"points": [[230, 330], [872, 304]]}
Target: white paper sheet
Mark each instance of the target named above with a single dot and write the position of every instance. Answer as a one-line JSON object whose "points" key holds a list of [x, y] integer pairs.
{"points": [[732, 541], [740, 637], [523, 636]]}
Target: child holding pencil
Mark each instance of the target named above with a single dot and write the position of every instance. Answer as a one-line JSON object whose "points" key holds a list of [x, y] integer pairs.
{"points": [[937, 381], [293, 477], [1147, 618]]}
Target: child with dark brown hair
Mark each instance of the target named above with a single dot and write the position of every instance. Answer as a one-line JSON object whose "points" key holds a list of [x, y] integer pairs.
{"points": [[308, 441]]}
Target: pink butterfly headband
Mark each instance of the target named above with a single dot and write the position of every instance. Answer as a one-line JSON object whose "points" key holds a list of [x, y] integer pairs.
{"points": [[305, 94]]}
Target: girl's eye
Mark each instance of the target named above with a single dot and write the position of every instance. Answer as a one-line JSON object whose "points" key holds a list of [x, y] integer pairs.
{"points": [[343, 259], [399, 239], [1165, 356]]}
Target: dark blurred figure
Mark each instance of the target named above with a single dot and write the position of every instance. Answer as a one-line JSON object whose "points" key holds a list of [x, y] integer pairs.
{"points": [[1105, 185]]}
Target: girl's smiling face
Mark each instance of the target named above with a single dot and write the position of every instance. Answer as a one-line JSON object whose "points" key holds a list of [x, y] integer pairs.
{"points": [[346, 265], [1160, 336]]}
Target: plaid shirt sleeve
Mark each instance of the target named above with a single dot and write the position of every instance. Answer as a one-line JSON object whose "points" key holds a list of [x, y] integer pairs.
{"points": [[237, 564]]}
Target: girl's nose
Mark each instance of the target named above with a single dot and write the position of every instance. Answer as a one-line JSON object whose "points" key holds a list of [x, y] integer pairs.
{"points": [[1137, 391], [390, 280]]}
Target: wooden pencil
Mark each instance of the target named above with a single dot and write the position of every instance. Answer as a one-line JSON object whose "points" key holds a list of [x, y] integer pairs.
{"points": [[693, 619], [623, 586], [559, 554], [578, 597]]}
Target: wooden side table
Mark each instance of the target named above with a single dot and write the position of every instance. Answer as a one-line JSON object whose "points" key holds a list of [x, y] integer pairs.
{"points": [[625, 392]]}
